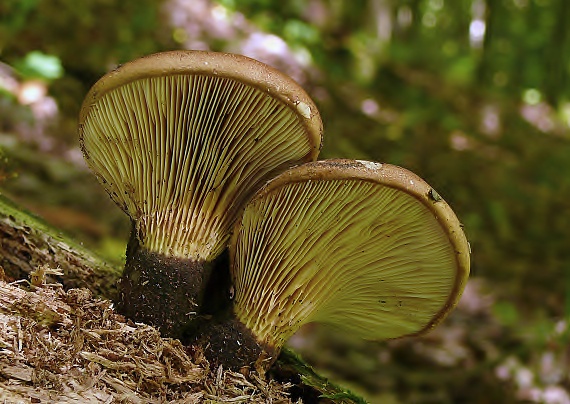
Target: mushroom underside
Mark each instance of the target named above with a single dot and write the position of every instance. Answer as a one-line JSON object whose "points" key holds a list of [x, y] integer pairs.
{"points": [[181, 154], [180, 141], [360, 252]]}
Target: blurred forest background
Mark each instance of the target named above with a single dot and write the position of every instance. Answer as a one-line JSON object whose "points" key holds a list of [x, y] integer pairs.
{"points": [[472, 95]]}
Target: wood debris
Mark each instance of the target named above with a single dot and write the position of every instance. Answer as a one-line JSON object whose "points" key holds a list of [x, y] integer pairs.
{"points": [[69, 347]]}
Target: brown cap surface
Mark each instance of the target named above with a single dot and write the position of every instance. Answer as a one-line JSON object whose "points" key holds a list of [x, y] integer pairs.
{"points": [[364, 246], [180, 140]]}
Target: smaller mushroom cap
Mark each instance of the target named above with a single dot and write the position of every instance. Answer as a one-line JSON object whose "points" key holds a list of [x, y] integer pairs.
{"points": [[367, 247], [180, 140]]}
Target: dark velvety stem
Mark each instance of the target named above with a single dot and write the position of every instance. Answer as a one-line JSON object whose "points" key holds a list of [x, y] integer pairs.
{"points": [[226, 341], [167, 292], [190, 300]]}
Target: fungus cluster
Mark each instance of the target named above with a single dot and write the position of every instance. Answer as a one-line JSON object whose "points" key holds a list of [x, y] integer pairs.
{"points": [[238, 236], [180, 141]]}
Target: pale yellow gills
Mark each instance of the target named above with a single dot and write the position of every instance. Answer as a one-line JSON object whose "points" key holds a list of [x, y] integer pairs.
{"points": [[367, 247], [181, 140]]}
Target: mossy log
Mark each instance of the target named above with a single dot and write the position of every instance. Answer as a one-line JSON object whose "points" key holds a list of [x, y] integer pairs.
{"points": [[80, 283], [27, 242]]}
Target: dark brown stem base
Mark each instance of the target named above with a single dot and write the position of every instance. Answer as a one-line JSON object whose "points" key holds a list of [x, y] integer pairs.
{"points": [[227, 342], [169, 292], [190, 300], [161, 291]]}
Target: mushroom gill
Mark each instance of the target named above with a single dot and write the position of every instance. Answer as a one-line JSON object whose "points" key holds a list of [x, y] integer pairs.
{"points": [[181, 153], [359, 245]]}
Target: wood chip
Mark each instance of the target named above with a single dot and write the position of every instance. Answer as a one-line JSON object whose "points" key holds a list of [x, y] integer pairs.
{"points": [[68, 347], [21, 372]]}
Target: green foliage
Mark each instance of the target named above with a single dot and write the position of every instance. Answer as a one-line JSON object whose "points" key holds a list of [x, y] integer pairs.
{"points": [[84, 35], [39, 65], [13, 17], [506, 313]]}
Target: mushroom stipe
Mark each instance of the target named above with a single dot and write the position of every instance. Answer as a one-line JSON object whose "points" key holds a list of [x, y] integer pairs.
{"points": [[168, 292], [227, 341], [239, 237]]}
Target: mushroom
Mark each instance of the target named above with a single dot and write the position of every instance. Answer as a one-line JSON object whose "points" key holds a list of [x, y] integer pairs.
{"points": [[366, 247], [180, 141]]}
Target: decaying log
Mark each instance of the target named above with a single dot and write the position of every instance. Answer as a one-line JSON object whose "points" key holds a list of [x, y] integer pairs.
{"points": [[26, 242]]}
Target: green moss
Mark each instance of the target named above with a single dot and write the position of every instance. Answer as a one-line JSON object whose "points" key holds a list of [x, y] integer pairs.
{"points": [[290, 366]]}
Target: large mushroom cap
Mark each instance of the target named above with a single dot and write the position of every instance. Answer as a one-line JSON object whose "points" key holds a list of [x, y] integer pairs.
{"points": [[367, 247], [180, 140]]}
